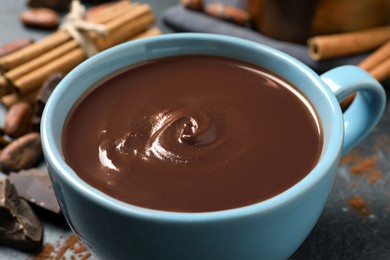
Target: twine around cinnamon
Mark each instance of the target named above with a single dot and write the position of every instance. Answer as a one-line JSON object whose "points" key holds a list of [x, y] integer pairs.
{"points": [[79, 28], [59, 52], [14, 97], [59, 37]]}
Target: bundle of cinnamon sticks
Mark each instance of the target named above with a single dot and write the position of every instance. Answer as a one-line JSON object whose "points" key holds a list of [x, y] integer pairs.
{"points": [[376, 40], [24, 71]]}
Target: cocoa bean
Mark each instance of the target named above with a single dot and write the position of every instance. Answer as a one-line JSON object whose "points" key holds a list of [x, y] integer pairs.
{"points": [[43, 18], [18, 119], [15, 45], [227, 12], [22, 153], [192, 4], [58, 5]]}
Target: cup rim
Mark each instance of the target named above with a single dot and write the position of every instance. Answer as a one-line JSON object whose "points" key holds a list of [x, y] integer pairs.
{"points": [[54, 158]]}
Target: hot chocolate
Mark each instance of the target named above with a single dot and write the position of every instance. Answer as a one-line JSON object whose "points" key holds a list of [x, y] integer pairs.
{"points": [[192, 134]]}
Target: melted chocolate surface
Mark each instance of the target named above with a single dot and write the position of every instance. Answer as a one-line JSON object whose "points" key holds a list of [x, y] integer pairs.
{"points": [[192, 134]]}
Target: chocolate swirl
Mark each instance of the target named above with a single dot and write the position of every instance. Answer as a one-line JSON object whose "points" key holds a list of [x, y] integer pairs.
{"points": [[182, 135]]}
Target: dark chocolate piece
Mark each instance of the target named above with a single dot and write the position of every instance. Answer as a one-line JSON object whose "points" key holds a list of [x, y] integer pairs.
{"points": [[19, 226], [34, 185], [43, 95]]}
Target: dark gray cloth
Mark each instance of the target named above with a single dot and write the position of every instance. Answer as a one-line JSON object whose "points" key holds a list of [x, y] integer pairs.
{"points": [[181, 19]]}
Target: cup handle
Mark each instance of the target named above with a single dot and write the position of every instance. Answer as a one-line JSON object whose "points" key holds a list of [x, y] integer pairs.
{"points": [[367, 107]]}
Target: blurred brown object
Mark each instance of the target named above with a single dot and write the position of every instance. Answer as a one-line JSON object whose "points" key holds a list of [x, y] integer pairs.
{"points": [[337, 16], [283, 20], [26, 69], [220, 10], [192, 4], [40, 17], [254, 8], [297, 20], [58, 5], [227, 12]]}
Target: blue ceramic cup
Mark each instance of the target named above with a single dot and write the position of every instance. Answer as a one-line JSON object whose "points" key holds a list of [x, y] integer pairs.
{"points": [[271, 229]]}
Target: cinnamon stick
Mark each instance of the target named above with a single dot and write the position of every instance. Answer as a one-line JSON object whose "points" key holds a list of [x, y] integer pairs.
{"points": [[34, 50], [12, 46], [64, 57], [40, 61], [59, 37], [35, 78], [382, 70], [29, 96], [377, 57], [337, 45], [13, 98], [118, 9], [29, 83], [377, 64], [135, 22], [108, 11], [114, 10]]}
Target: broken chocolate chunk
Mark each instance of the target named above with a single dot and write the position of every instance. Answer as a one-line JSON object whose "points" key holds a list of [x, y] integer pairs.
{"points": [[34, 186], [19, 226], [43, 95]]}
